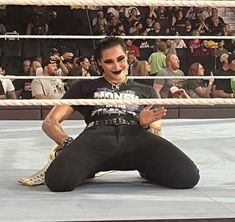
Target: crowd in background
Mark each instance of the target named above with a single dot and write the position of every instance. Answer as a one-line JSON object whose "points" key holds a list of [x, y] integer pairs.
{"points": [[146, 57]]}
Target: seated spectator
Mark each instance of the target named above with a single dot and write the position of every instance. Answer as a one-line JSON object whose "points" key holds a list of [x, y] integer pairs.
{"points": [[175, 92], [200, 24], [48, 88], [132, 61], [163, 16], [132, 47], [39, 21], [227, 30], [101, 27], [223, 88], [157, 30], [26, 66], [100, 16], [221, 70], [220, 49], [143, 69], [134, 15], [87, 69], [162, 86], [197, 88], [179, 43], [194, 44], [180, 22], [149, 24], [8, 86], [112, 23], [204, 50], [215, 23], [2, 92], [61, 61], [191, 15], [23, 86], [157, 59]]}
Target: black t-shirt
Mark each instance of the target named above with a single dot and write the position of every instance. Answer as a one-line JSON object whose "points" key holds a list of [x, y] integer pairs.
{"points": [[25, 86], [2, 92], [101, 89], [225, 84]]}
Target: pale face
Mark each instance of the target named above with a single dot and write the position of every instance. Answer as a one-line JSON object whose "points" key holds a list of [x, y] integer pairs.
{"points": [[85, 64], [34, 66], [200, 71], [114, 63], [174, 62], [147, 66]]}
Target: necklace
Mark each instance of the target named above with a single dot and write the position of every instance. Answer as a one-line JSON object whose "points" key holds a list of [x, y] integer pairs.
{"points": [[116, 86]]}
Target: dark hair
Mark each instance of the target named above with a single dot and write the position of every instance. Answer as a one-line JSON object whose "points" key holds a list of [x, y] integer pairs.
{"points": [[107, 43]]}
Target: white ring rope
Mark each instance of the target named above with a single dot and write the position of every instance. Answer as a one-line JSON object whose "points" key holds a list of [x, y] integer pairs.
{"points": [[70, 37], [96, 102], [80, 3], [129, 77]]}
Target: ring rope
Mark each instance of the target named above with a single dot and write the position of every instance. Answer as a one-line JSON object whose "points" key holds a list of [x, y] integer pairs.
{"points": [[96, 102], [129, 77], [16, 37], [80, 3]]}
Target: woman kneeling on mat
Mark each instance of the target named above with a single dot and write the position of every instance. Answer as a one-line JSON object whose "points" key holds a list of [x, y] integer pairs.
{"points": [[116, 136]]}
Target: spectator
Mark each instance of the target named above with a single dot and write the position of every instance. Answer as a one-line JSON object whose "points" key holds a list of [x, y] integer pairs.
{"points": [[143, 69], [227, 30], [2, 92], [8, 86], [132, 47], [48, 88], [220, 49], [179, 43], [157, 59], [60, 60], [112, 23], [204, 50], [163, 17], [191, 15], [100, 16], [180, 22], [101, 27], [221, 70], [39, 21], [201, 25], [215, 23], [132, 61], [157, 30], [149, 24], [23, 86], [162, 86], [175, 92], [223, 87], [197, 88], [194, 43], [85, 65]]}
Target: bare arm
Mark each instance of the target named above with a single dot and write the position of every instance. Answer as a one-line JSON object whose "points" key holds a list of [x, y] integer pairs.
{"points": [[222, 94], [157, 88], [51, 125], [203, 92], [12, 94]]}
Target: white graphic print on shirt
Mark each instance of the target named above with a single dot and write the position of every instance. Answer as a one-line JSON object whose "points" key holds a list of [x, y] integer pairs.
{"points": [[105, 93]]}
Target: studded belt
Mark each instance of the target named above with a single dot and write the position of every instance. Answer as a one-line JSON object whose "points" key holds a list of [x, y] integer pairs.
{"points": [[113, 121]]}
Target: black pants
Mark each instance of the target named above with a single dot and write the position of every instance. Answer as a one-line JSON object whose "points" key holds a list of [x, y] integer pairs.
{"points": [[121, 147]]}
